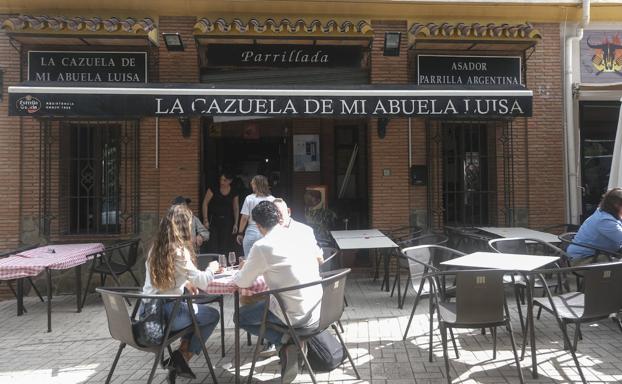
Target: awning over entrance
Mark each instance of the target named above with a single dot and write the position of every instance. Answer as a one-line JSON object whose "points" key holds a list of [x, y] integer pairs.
{"points": [[169, 100]]}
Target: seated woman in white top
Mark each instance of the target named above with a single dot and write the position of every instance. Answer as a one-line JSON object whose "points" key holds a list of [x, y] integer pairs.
{"points": [[171, 267]]}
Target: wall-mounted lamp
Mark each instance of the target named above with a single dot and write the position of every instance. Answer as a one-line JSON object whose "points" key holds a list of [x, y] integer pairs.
{"points": [[185, 125], [173, 41], [392, 42], [382, 127]]}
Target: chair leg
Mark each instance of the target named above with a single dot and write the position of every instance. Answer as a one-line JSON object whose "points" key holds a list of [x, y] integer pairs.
{"points": [[304, 357], [431, 330], [618, 322], [396, 282], [445, 353], [340, 325], [519, 308], [343, 344], [155, 364], [86, 287], [520, 372], [222, 325], [32, 284], [562, 326], [249, 341], [114, 363], [577, 332], [453, 342], [262, 331], [539, 313], [493, 332], [408, 280], [412, 314]]}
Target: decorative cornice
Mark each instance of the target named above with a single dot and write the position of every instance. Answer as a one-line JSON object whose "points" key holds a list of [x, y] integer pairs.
{"points": [[221, 25], [27, 23], [474, 31]]}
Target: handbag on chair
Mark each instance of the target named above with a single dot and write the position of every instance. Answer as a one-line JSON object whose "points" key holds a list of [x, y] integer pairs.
{"points": [[149, 327]]}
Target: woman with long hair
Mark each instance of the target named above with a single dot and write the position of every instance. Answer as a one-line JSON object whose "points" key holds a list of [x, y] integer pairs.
{"points": [[171, 268], [603, 229], [261, 192]]}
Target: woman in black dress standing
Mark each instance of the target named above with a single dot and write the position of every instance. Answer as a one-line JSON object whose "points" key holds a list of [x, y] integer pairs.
{"points": [[221, 209]]}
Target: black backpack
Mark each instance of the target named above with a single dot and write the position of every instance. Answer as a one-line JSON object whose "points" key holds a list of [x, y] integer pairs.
{"points": [[325, 352]]}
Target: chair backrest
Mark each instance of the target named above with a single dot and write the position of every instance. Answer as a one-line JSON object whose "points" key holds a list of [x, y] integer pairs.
{"points": [[528, 246], [333, 297], [602, 287], [429, 254], [119, 319], [557, 228], [132, 251], [479, 297], [566, 238], [509, 245], [330, 259], [203, 259]]}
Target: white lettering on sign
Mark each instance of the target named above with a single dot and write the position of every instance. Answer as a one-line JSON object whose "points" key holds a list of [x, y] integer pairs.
{"points": [[292, 57], [340, 106]]}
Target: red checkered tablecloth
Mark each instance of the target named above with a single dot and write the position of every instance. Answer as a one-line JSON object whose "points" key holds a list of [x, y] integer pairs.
{"points": [[33, 262], [225, 286]]}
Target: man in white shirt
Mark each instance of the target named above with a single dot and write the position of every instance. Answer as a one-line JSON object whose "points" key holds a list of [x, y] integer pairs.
{"points": [[282, 262], [302, 233]]}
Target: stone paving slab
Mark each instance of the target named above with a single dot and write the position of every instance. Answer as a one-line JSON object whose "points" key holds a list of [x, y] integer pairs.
{"points": [[80, 350]]}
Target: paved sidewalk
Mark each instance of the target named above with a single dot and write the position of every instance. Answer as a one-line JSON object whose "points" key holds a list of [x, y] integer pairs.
{"points": [[80, 350]]}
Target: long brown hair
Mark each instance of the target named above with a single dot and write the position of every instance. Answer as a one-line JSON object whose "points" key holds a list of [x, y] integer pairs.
{"points": [[174, 234]]}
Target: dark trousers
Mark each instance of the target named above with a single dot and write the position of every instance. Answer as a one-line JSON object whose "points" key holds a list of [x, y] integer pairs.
{"points": [[221, 238]]}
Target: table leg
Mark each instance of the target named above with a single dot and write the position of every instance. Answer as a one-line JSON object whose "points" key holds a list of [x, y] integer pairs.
{"points": [[532, 332], [48, 272], [386, 257], [20, 297], [78, 271], [236, 314]]}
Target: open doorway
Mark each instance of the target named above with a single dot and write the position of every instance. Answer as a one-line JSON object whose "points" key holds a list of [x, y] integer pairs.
{"points": [[247, 148]]}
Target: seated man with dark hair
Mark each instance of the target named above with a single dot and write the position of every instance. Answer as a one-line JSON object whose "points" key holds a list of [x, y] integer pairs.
{"points": [[283, 263]]}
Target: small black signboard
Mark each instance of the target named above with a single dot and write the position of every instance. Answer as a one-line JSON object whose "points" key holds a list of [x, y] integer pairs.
{"points": [[283, 55], [477, 71], [87, 67]]}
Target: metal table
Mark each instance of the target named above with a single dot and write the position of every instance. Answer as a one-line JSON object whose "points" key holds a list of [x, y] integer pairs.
{"points": [[366, 239], [511, 262], [521, 232]]}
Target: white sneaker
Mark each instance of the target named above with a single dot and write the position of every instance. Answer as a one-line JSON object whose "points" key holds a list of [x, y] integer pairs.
{"points": [[269, 350]]}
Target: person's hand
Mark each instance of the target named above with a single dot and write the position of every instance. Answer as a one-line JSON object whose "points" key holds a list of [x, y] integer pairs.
{"points": [[206, 223], [214, 267], [239, 239], [191, 288], [234, 230], [199, 240], [241, 263]]}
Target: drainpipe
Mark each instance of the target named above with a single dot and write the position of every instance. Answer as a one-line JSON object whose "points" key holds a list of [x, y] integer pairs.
{"points": [[572, 156]]}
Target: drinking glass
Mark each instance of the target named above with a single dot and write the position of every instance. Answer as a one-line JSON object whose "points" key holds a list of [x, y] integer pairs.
{"points": [[232, 259], [222, 261]]}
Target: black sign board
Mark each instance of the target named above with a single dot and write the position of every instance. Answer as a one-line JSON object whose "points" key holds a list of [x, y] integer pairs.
{"points": [[478, 71], [167, 102], [87, 67], [283, 55]]}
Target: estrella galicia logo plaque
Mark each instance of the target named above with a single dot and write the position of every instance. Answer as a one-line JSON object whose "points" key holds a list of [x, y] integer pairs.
{"points": [[29, 104]]}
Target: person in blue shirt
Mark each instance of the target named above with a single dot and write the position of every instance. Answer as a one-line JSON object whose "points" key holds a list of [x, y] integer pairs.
{"points": [[603, 229]]}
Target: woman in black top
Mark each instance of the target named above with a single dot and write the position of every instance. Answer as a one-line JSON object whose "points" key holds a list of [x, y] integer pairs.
{"points": [[221, 208]]}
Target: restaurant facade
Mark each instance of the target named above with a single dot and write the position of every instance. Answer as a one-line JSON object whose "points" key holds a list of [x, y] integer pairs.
{"points": [[399, 114]]}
